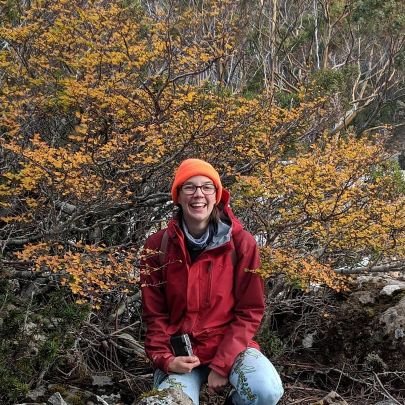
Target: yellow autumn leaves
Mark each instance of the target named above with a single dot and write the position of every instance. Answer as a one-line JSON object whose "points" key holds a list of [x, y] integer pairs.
{"points": [[100, 101], [90, 271], [327, 207]]}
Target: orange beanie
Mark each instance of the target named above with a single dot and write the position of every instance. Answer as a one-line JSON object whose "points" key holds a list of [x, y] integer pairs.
{"points": [[195, 167]]}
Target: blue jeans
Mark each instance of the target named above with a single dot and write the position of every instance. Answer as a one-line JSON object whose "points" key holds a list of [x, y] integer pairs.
{"points": [[253, 377]]}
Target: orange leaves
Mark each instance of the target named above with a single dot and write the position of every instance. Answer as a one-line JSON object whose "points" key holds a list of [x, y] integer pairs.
{"points": [[102, 99], [325, 207], [59, 167], [298, 268], [89, 271]]}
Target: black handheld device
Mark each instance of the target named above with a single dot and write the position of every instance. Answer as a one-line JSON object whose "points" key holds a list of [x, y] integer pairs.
{"points": [[181, 345]]}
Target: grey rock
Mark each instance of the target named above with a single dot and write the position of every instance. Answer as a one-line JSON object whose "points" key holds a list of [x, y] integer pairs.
{"points": [[108, 399], [169, 396], [308, 340], [397, 280], [364, 297], [399, 333], [390, 289], [56, 399], [393, 320], [101, 380], [72, 393], [36, 393], [333, 398]]}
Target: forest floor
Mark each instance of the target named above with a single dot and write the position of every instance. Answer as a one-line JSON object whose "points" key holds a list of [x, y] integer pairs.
{"points": [[350, 343]]}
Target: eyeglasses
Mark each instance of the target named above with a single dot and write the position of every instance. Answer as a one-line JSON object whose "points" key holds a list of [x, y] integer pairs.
{"points": [[206, 189]]}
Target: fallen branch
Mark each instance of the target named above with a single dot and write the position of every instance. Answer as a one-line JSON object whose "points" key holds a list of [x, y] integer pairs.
{"points": [[383, 268], [124, 305], [385, 392]]}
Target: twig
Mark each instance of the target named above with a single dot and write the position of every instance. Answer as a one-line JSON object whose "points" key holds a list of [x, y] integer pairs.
{"points": [[124, 328], [340, 377], [124, 304], [385, 393], [27, 311]]}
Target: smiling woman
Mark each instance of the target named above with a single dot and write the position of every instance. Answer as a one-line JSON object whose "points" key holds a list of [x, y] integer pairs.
{"points": [[203, 307], [197, 201]]}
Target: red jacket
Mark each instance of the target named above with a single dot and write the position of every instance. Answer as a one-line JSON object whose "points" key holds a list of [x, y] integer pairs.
{"points": [[218, 306]]}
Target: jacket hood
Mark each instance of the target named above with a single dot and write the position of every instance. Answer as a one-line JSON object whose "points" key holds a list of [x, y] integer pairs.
{"points": [[227, 213]]}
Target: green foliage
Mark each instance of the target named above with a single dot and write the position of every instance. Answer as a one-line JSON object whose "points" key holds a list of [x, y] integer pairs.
{"points": [[68, 314], [328, 82], [287, 100], [379, 15], [26, 352], [49, 350], [305, 33], [254, 85], [337, 8], [11, 11], [12, 324], [12, 387], [14, 371], [134, 5], [391, 168], [270, 343]]}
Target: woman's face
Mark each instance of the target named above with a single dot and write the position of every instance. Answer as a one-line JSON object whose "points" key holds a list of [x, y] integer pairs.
{"points": [[197, 207]]}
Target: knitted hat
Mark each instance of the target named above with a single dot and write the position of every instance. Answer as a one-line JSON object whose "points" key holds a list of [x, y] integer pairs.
{"points": [[195, 167]]}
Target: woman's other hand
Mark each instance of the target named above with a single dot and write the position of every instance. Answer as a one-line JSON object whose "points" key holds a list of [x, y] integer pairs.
{"points": [[216, 382], [183, 364]]}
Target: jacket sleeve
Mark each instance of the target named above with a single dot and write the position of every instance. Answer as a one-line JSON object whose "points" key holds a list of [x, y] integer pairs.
{"points": [[154, 308], [249, 307]]}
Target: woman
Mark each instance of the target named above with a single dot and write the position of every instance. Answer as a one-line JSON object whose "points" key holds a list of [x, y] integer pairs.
{"points": [[200, 285]]}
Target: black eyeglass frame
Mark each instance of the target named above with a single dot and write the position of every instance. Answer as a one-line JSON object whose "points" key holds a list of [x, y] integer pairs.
{"points": [[213, 189]]}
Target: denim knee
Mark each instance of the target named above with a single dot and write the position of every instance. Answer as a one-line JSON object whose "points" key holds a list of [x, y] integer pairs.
{"points": [[269, 395], [266, 392], [261, 394], [255, 380]]}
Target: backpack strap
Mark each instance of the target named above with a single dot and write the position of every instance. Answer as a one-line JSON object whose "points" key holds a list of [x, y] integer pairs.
{"points": [[234, 253], [234, 256], [163, 248]]}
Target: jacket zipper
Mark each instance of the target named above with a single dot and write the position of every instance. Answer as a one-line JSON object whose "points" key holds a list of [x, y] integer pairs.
{"points": [[208, 295]]}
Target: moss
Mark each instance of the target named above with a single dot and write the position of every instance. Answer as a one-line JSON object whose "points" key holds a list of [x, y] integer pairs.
{"points": [[152, 393], [370, 312], [71, 397], [77, 399], [57, 388]]}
